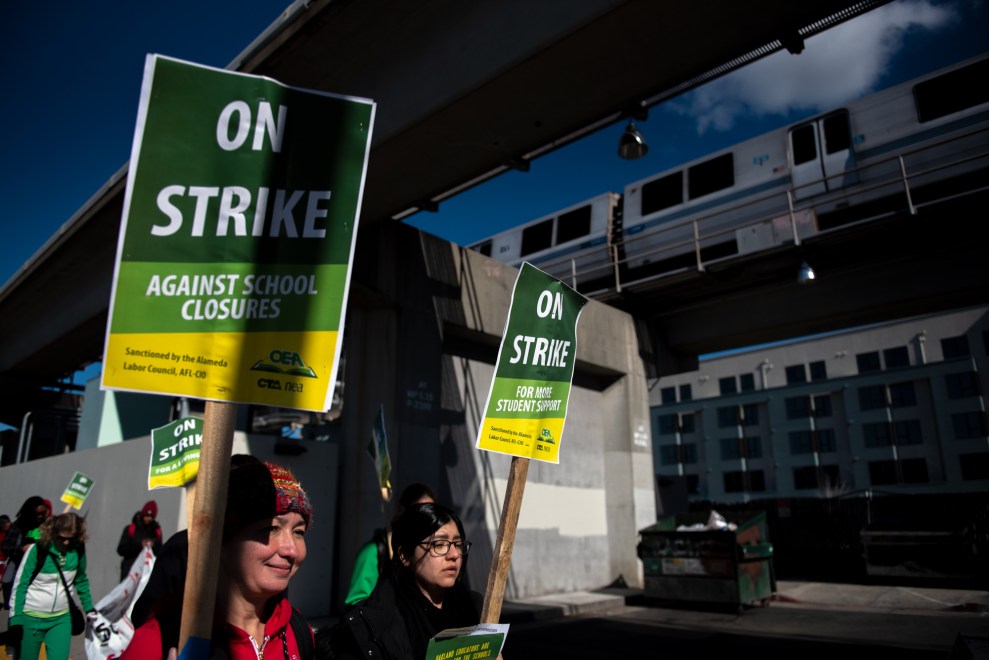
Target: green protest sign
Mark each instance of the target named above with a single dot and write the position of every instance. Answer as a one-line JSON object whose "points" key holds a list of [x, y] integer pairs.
{"points": [[78, 490], [236, 245], [175, 453], [472, 643], [527, 403]]}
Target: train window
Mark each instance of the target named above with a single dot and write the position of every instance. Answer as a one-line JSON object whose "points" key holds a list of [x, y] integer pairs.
{"points": [[484, 248], [711, 176], [662, 193], [837, 133], [804, 144], [537, 237], [952, 92], [573, 224]]}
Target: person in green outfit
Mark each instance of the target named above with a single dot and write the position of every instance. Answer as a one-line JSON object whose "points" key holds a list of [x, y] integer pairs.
{"points": [[40, 603], [375, 555]]}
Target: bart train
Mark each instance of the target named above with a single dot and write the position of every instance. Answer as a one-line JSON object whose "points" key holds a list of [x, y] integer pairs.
{"points": [[895, 151]]}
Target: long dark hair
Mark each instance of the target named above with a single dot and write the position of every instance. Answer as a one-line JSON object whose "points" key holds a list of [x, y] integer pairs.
{"points": [[26, 520], [416, 524]]}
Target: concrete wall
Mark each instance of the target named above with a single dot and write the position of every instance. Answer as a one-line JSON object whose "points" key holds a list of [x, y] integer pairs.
{"points": [[121, 487], [423, 328]]}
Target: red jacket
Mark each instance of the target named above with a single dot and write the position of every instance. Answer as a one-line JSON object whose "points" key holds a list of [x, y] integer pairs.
{"points": [[147, 643]]}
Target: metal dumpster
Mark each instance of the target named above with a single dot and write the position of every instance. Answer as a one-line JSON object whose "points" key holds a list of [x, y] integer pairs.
{"points": [[730, 566]]}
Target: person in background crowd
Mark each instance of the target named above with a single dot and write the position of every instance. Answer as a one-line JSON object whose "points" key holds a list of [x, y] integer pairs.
{"points": [[421, 595], [264, 528], [40, 606], [22, 534], [4, 526], [374, 556], [143, 532]]}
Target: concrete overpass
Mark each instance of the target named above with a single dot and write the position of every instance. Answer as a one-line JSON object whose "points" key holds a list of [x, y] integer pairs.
{"points": [[464, 93]]}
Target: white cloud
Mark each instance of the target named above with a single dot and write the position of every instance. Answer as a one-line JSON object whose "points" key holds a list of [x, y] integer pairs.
{"points": [[839, 64]]}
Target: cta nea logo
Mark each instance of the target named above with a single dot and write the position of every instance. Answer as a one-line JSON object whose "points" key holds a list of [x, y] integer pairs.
{"points": [[285, 363]]}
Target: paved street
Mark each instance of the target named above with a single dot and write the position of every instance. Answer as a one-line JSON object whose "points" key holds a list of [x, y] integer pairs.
{"points": [[806, 621]]}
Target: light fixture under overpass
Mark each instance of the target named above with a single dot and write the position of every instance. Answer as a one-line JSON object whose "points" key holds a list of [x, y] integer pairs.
{"points": [[631, 144], [806, 274]]}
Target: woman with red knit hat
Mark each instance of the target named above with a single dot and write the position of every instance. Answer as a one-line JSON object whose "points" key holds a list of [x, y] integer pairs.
{"points": [[143, 532], [264, 544]]}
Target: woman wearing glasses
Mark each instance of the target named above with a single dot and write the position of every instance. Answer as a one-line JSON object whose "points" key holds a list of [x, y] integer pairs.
{"points": [[421, 595], [40, 604]]}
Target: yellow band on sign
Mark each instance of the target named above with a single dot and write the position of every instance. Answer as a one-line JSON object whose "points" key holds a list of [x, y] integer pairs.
{"points": [[527, 438], [72, 500], [286, 369]]}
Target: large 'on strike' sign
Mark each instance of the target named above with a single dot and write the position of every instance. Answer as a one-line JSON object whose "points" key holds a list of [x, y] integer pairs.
{"points": [[236, 246]]}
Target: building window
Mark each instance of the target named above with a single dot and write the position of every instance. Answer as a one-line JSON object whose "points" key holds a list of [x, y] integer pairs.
{"points": [[914, 471], [876, 434], [872, 397], [693, 484], [668, 394], [975, 467], [676, 454], [796, 374], [750, 414], [955, 347], [735, 481], [902, 395], [868, 362], [963, 385], [735, 448], [667, 424], [688, 423], [818, 371], [801, 442], [810, 476], [727, 385], [969, 425], [805, 477], [907, 432], [731, 449], [747, 382], [896, 358], [686, 393], [826, 442], [727, 417], [822, 406], [882, 473], [797, 407]]}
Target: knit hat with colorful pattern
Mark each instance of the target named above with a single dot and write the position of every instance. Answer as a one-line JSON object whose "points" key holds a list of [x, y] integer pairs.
{"points": [[262, 491]]}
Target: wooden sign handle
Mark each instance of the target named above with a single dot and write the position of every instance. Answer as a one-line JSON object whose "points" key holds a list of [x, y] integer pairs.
{"points": [[206, 525], [502, 558]]}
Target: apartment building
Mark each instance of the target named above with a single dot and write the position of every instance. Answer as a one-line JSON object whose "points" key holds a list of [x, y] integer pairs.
{"points": [[896, 407]]}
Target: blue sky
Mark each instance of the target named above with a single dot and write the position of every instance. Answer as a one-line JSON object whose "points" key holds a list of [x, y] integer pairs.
{"points": [[72, 74]]}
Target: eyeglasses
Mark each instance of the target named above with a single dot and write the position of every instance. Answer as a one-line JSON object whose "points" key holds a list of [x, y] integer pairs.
{"points": [[442, 548]]}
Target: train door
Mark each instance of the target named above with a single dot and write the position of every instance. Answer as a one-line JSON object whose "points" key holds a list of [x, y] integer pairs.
{"points": [[821, 155]]}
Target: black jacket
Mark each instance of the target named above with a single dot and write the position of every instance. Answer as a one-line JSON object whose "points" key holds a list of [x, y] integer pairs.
{"points": [[132, 541], [396, 621]]}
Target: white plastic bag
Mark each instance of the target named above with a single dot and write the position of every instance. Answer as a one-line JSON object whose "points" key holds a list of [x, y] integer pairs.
{"points": [[110, 630]]}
